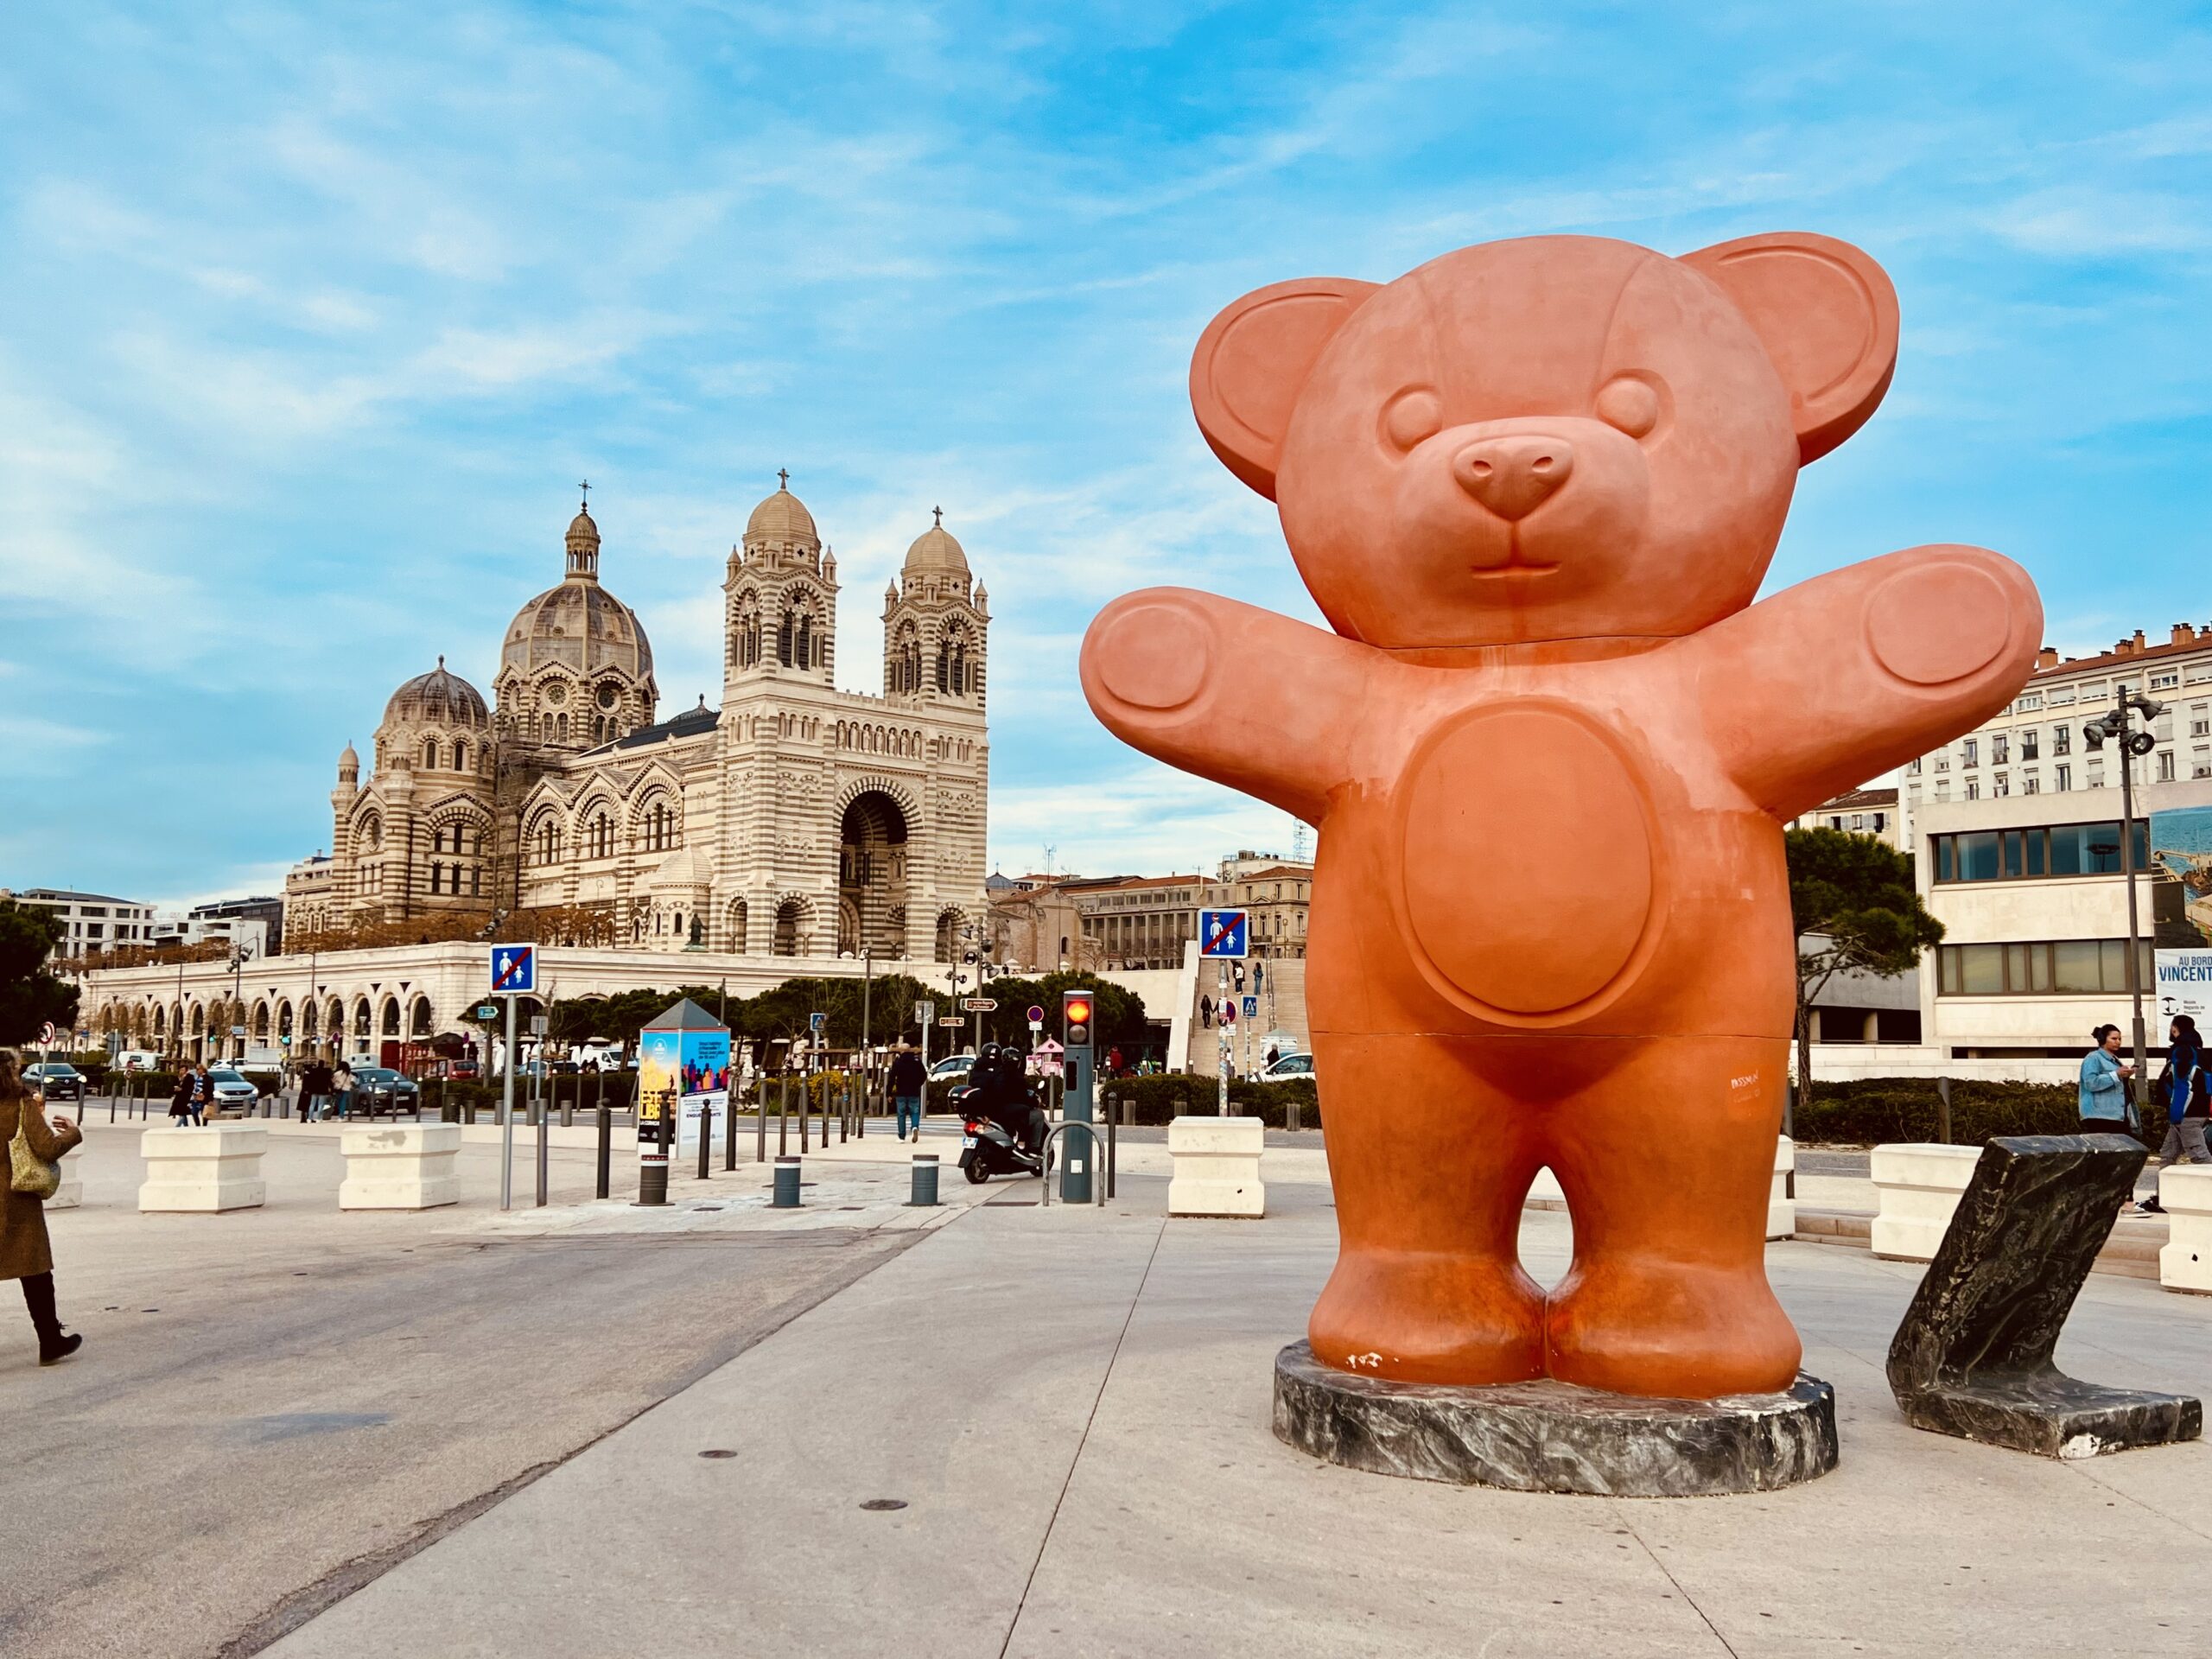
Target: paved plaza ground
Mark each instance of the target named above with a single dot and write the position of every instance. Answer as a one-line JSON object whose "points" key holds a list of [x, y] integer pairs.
{"points": [[1070, 1405]]}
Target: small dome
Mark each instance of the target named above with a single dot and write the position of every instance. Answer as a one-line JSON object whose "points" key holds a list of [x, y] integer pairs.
{"points": [[347, 760], [438, 695], [935, 549], [582, 529], [782, 517]]}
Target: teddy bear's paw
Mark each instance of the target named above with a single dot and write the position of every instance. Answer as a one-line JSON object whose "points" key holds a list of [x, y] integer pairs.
{"points": [[1670, 1329], [1430, 1318]]}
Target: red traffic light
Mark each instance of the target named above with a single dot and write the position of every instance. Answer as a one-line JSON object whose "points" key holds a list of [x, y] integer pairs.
{"points": [[1075, 1013]]}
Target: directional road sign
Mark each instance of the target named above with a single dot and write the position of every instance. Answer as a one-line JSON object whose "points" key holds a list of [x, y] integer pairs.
{"points": [[514, 969], [982, 1005], [953, 1020], [1223, 933], [488, 1011]]}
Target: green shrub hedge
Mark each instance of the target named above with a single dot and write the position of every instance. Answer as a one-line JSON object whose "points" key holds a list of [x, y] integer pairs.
{"points": [[1869, 1111]]}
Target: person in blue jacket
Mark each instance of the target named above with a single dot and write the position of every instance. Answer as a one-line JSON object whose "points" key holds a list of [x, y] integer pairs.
{"points": [[2105, 1108]]}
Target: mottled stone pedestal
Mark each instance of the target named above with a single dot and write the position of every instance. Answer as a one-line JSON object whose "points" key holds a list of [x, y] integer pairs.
{"points": [[1554, 1437]]}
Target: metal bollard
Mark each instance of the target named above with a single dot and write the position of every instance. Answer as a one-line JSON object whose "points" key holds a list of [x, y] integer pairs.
{"points": [[606, 1147], [805, 1110], [729, 1134], [1293, 1113], [783, 1116], [706, 1141], [786, 1184], [923, 1193], [760, 1119]]}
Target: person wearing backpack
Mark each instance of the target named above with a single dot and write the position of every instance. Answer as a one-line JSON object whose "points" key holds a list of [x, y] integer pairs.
{"points": [[26, 1253], [2188, 1094]]}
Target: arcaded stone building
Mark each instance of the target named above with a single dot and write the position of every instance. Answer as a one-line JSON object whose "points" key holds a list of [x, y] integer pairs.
{"points": [[797, 820]]}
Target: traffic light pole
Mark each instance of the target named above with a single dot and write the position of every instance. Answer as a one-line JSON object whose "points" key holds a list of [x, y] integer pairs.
{"points": [[1223, 1020], [1081, 1152]]}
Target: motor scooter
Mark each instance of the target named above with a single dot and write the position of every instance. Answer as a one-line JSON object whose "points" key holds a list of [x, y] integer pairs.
{"points": [[986, 1148]]}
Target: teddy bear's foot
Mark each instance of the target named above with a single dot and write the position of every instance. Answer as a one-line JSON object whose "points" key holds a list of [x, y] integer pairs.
{"points": [[1671, 1330], [1415, 1317]]}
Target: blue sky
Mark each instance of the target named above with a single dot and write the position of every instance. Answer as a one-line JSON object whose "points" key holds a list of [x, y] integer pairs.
{"points": [[314, 316]]}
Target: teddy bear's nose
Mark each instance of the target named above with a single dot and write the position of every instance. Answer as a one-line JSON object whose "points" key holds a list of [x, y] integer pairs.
{"points": [[1512, 476]]}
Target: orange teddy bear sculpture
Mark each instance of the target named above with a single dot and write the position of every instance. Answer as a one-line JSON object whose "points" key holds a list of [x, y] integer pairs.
{"points": [[1534, 486]]}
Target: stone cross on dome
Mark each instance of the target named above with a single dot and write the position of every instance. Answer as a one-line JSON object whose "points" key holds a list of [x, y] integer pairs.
{"points": [[586, 487], [938, 514], [783, 478]]}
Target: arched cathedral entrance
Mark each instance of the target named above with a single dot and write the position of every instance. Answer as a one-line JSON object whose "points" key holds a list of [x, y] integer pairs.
{"points": [[872, 876]]}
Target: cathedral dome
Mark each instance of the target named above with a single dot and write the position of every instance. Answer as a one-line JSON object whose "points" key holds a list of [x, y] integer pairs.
{"points": [[580, 625], [436, 696], [782, 517], [935, 549]]}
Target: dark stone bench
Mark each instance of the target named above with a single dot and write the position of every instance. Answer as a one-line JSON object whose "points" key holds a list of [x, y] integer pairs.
{"points": [[1973, 1356]]}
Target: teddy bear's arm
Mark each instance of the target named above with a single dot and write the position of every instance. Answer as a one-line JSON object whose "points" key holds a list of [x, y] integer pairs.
{"points": [[1840, 678], [1231, 692]]}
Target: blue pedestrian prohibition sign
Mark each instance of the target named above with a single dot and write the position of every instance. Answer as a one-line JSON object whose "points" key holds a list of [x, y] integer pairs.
{"points": [[514, 967], [1222, 933]]}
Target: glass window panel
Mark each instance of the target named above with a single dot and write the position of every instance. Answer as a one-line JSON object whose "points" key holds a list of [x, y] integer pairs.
{"points": [[2039, 968], [2035, 842], [2015, 853], [2111, 955], [1982, 970], [2074, 966], [2142, 844], [2147, 969], [1977, 856], [1944, 863], [1947, 959], [2016, 967]]}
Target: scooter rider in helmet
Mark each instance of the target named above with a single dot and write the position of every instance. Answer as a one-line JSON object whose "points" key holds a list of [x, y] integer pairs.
{"points": [[999, 1073]]}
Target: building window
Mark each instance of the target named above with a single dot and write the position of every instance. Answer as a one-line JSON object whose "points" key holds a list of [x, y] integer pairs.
{"points": [[2165, 682], [2199, 726], [1974, 789], [2165, 765], [1997, 789], [2000, 747], [1968, 756], [2027, 745], [2040, 968], [602, 838], [2027, 783], [2062, 779], [2061, 740], [2059, 849]]}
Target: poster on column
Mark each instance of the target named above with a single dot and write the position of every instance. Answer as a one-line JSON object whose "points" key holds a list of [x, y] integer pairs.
{"points": [[690, 1067], [2181, 888], [2185, 984]]}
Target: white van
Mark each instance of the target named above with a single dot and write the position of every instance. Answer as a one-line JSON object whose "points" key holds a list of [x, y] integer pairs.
{"points": [[135, 1059]]}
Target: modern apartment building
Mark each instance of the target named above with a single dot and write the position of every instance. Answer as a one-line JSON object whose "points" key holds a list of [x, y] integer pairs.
{"points": [[92, 922]]}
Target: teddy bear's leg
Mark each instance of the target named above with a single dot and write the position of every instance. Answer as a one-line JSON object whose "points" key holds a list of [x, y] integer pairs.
{"points": [[1429, 1165], [1667, 1160]]}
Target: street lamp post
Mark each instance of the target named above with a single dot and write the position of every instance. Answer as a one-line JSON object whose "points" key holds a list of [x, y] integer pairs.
{"points": [[2115, 726]]}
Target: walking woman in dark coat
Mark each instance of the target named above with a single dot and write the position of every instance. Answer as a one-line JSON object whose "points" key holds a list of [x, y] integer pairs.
{"points": [[24, 1251]]}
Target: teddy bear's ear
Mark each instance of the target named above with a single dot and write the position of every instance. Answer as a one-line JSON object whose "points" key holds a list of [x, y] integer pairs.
{"points": [[1253, 359], [1829, 318]]}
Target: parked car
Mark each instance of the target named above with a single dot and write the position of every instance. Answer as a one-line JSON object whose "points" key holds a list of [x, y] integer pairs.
{"points": [[379, 1089], [952, 1068], [1288, 1066], [56, 1079], [234, 1091]]}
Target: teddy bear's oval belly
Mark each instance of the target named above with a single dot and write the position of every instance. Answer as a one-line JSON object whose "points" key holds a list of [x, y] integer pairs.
{"points": [[1529, 871]]}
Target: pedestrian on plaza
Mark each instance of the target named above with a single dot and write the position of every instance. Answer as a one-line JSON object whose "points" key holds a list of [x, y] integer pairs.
{"points": [[907, 1082], [181, 1097], [342, 1082], [2106, 1109], [315, 1091], [1114, 1062], [203, 1094], [2188, 1095], [25, 1251]]}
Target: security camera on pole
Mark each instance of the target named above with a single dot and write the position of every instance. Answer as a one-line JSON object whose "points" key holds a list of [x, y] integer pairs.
{"points": [[514, 974], [2133, 744]]}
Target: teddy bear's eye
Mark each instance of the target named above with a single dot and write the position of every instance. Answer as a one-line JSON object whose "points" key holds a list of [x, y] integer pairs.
{"points": [[1413, 415], [1629, 403]]}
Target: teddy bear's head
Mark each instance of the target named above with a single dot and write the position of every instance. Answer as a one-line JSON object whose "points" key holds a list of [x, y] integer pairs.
{"points": [[1555, 438]]}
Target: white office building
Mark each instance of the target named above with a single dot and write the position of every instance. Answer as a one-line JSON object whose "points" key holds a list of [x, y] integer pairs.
{"points": [[91, 923]]}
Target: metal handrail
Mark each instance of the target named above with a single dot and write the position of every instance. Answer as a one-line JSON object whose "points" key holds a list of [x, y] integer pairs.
{"points": [[1100, 1178]]}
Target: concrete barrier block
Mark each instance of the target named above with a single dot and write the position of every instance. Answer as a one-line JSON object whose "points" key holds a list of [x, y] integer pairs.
{"points": [[1217, 1166], [1917, 1186], [2185, 1261], [201, 1172], [71, 1193], [1781, 1208], [400, 1167]]}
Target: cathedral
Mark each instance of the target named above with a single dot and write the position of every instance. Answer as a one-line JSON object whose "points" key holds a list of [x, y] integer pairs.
{"points": [[797, 820]]}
